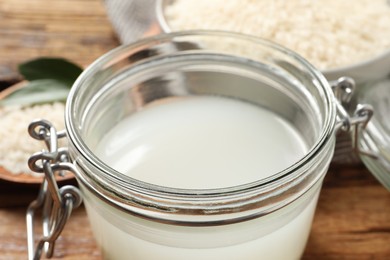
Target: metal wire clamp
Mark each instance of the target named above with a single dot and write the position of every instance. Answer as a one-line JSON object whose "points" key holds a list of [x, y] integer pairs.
{"points": [[343, 89], [56, 203]]}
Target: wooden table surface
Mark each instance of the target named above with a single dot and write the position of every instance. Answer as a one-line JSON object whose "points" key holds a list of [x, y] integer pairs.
{"points": [[352, 220]]}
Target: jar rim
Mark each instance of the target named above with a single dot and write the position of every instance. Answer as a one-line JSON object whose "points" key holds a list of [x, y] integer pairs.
{"points": [[76, 140]]}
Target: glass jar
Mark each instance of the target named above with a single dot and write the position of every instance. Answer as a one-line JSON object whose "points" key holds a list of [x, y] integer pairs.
{"points": [[265, 217]]}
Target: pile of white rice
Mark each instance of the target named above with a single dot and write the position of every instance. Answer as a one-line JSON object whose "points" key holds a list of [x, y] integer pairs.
{"points": [[328, 33], [16, 145]]}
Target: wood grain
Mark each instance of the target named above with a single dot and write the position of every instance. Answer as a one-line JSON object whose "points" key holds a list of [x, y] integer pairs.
{"points": [[75, 243], [74, 29], [352, 219]]}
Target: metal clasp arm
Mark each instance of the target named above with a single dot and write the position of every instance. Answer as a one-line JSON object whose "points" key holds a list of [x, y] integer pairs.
{"points": [[57, 203], [343, 89]]}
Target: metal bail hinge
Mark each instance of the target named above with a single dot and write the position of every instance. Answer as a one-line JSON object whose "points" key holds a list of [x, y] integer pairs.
{"points": [[362, 116], [56, 203], [343, 90]]}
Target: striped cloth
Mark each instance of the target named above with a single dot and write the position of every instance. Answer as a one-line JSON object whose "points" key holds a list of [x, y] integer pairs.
{"points": [[133, 19]]}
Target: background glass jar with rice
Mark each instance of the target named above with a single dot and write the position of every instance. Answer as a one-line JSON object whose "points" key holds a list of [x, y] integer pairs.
{"points": [[196, 145], [339, 38]]}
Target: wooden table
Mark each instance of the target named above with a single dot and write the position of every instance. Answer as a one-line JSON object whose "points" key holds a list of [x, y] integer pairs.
{"points": [[352, 220], [74, 29]]}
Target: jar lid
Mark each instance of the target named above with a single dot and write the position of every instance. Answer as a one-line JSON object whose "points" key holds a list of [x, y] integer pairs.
{"points": [[376, 137]]}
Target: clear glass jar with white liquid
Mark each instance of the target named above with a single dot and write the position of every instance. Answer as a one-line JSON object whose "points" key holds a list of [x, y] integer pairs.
{"points": [[196, 145]]}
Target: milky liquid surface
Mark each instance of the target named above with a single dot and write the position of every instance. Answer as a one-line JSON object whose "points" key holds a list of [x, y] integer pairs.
{"points": [[201, 142]]}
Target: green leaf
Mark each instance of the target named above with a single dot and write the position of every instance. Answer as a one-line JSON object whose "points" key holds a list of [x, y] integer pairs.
{"points": [[37, 92], [51, 68]]}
